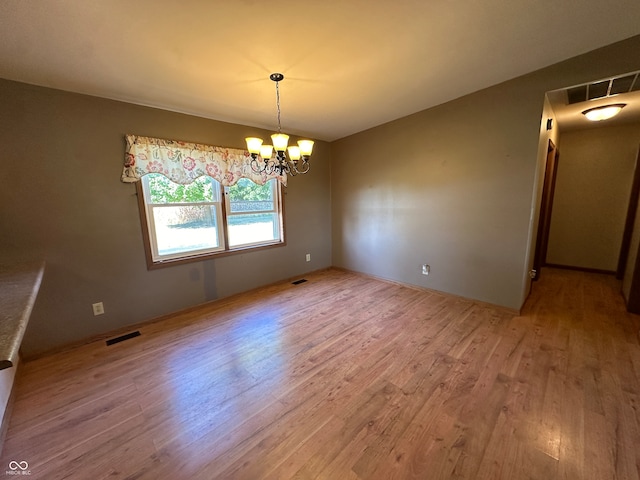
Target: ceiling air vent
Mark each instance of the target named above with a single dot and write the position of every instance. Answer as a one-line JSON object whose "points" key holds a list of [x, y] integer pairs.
{"points": [[598, 90], [605, 88], [624, 84], [577, 94]]}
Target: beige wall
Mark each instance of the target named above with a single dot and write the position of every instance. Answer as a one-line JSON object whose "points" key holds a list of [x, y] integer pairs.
{"points": [[62, 201], [595, 172], [452, 186]]}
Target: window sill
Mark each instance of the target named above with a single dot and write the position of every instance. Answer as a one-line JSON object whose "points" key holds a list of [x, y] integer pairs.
{"points": [[151, 265]]}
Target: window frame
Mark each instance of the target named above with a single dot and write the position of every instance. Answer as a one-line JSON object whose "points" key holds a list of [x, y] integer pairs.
{"points": [[229, 214], [224, 205]]}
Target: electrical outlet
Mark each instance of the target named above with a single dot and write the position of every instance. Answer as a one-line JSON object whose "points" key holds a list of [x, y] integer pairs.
{"points": [[308, 257], [98, 308], [426, 269]]}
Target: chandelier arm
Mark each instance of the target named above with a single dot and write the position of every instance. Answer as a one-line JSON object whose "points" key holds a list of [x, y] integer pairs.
{"points": [[304, 167], [255, 166], [268, 166], [274, 164], [293, 167], [301, 166]]}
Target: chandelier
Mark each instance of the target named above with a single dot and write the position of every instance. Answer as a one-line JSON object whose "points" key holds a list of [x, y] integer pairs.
{"points": [[298, 160]]}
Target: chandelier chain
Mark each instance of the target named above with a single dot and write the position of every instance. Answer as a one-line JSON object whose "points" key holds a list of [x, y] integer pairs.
{"points": [[278, 103]]}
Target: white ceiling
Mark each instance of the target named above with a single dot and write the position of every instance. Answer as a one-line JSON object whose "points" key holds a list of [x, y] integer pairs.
{"points": [[348, 65]]}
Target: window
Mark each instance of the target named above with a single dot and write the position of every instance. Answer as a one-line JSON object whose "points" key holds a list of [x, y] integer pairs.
{"points": [[187, 222], [253, 216]]}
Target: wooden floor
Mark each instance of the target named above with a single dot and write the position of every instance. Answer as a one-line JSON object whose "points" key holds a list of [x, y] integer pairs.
{"points": [[344, 377]]}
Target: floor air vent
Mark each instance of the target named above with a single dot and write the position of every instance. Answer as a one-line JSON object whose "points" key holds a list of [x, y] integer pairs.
{"points": [[122, 338], [298, 282]]}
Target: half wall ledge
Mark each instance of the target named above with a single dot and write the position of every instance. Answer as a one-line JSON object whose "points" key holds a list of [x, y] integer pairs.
{"points": [[19, 285]]}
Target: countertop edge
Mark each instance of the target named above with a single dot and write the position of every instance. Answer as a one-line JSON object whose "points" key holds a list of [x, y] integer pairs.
{"points": [[24, 279]]}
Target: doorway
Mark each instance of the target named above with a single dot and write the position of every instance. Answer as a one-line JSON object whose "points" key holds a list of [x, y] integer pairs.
{"points": [[546, 205], [630, 221]]}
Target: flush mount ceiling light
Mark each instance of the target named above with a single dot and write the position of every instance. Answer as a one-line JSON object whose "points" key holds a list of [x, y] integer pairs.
{"points": [[298, 161], [604, 112]]}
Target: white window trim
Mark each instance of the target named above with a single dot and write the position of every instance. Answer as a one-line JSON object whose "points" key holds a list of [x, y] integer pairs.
{"points": [[222, 208]]}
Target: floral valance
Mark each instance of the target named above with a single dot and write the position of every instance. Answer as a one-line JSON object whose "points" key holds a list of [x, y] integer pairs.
{"points": [[183, 162]]}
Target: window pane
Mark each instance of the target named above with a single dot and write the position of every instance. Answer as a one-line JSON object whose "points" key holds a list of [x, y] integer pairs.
{"points": [[163, 190], [185, 228], [246, 196], [253, 228]]}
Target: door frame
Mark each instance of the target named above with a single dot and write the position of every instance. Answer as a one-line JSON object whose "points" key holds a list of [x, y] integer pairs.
{"points": [[546, 205], [628, 226]]}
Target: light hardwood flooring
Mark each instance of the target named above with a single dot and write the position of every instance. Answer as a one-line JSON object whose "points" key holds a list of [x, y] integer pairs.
{"points": [[346, 377]]}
